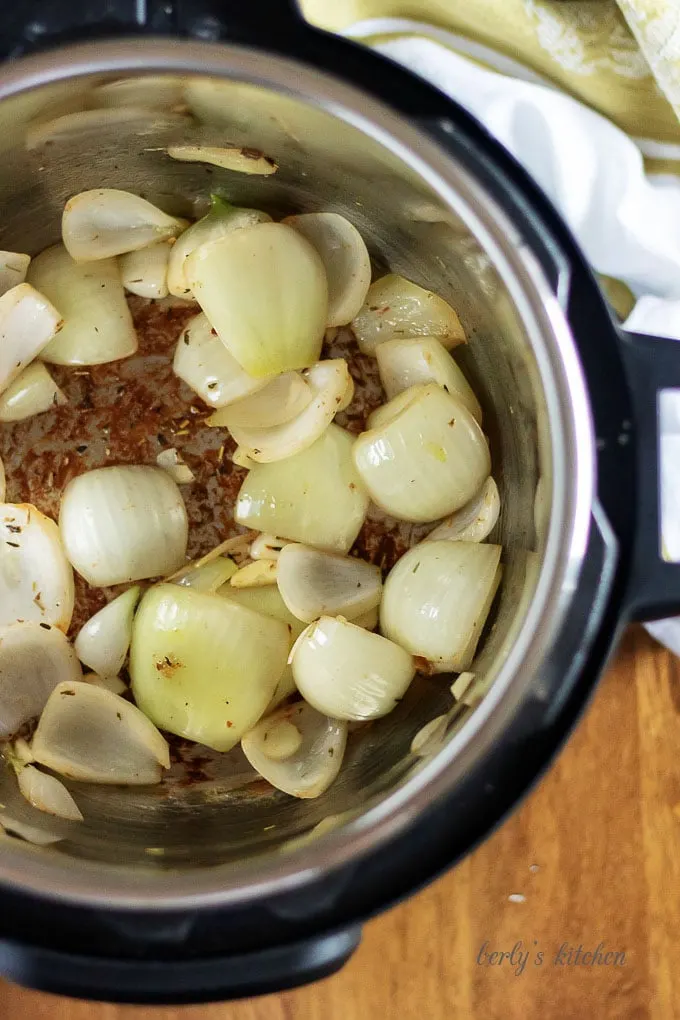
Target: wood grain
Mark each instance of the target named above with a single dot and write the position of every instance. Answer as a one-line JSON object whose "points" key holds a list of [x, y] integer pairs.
{"points": [[595, 854]]}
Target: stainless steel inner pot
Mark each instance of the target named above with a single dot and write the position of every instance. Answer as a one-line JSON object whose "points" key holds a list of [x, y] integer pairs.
{"points": [[219, 841]]}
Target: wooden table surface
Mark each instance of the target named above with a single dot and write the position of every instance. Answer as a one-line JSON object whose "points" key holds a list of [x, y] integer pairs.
{"points": [[592, 857]]}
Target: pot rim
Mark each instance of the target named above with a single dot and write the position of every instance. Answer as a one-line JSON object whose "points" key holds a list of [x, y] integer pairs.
{"points": [[26, 869]]}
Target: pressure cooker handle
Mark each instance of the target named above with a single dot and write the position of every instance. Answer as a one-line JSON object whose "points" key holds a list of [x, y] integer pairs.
{"points": [[175, 982], [652, 364], [40, 24]]}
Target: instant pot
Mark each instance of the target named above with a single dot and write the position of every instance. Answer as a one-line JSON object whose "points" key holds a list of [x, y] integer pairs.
{"points": [[214, 890]]}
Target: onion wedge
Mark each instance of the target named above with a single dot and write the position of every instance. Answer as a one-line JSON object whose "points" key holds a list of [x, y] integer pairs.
{"points": [[345, 258], [36, 579], [276, 403], [264, 290], [105, 222], [114, 684], [406, 363], [396, 308], [327, 382], [473, 522], [97, 321], [210, 576], [145, 272], [204, 667], [257, 574], [427, 459], [267, 547], [436, 600], [222, 219], [33, 392], [34, 658], [315, 497], [170, 460], [242, 160], [313, 583], [13, 268], [27, 324], [349, 673], [309, 768], [89, 734], [102, 643], [123, 524], [48, 794], [204, 363]]}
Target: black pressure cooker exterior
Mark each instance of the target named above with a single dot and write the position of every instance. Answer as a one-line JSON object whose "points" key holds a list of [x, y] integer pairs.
{"points": [[213, 954]]}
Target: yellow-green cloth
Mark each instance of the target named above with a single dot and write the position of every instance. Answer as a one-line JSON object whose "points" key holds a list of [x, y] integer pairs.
{"points": [[623, 59]]}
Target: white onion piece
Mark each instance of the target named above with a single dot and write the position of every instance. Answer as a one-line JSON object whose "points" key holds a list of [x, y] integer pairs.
{"points": [[155, 92], [145, 272], [89, 734], [396, 308], [3, 482], [170, 460], [345, 258], [36, 579], [309, 769], [367, 620], [242, 160], [31, 393], [22, 751], [202, 666], [406, 363], [347, 672], [241, 459], [264, 290], [327, 383], [102, 643], [283, 690], [204, 363], [315, 497], [348, 395], [211, 576], [314, 583], [267, 547], [105, 222], [436, 600], [427, 461], [114, 684], [237, 546], [28, 321], [461, 684], [473, 522], [430, 737], [33, 660], [280, 400], [98, 325], [386, 413], [267, 601], [13, 268], [255, 575], [280, 740], [48, 794], [123, 524], [222, 219]]}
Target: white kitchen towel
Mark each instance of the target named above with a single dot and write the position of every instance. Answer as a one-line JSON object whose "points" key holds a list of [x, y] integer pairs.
{"points": [[627, 223]]}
